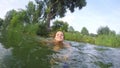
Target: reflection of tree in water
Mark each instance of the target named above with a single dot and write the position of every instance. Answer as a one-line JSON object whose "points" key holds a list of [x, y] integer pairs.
{"points": [[30, 54]]}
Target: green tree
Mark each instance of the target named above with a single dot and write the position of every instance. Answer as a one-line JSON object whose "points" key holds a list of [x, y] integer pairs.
{"points": [[92, 34], [9, 15], [105, 31], [60, 25], [84, 31], [1, 22], [112, 32], [58, 8], [71, 29], [20, 17], [42, 30], [31, 12]]}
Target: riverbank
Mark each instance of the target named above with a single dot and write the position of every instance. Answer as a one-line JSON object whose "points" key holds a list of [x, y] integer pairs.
{"points": [[102, 40]]}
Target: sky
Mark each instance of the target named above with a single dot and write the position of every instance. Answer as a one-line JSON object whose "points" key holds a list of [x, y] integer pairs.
{"points": [[96, 14]]}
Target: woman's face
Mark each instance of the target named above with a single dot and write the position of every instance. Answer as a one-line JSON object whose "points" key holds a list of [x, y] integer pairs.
{"points": [[59, 36]]}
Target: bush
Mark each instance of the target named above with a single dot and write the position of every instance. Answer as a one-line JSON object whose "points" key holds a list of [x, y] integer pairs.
{"points": [[108, 40], [42, 30], [79, 37], [27, 51]]}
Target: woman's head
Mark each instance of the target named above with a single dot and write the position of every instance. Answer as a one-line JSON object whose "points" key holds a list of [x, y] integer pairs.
{"points": [[59, 36]]}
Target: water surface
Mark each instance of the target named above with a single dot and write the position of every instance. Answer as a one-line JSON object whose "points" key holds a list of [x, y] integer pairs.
{"points": [[83, 55]]}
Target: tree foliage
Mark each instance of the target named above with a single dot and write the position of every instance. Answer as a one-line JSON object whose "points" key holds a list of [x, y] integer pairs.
{"points": [[105, 31], [42, 30], [60, 25], [84, 31], [9, 15], [71, 29], [31, 10], [1, 22], [58, 8], [20, 17]]}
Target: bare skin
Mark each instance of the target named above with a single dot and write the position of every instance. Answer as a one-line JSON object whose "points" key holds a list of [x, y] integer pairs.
{"points": [[59, 41]]}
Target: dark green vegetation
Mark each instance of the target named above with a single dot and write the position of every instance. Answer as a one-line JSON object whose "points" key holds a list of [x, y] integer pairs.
{"points": [[50, 9], [35, 21], [27, 51], [104, 36], [40, 14], [22, 30]]}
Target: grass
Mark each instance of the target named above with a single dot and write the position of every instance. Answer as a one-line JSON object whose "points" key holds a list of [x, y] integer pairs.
{"points": [[104, 40]]}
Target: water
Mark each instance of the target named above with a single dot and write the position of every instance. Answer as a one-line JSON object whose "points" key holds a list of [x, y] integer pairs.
{"points": [[4, 54], [91, 56], [82, 56]]}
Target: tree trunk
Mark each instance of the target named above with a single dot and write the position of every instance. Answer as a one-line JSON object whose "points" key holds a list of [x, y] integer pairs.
{"points": [[48, 22]]}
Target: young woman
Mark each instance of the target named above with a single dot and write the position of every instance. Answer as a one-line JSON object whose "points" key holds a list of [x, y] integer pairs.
{"points": [[58, 45], [63, 50], [58, 41]]}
